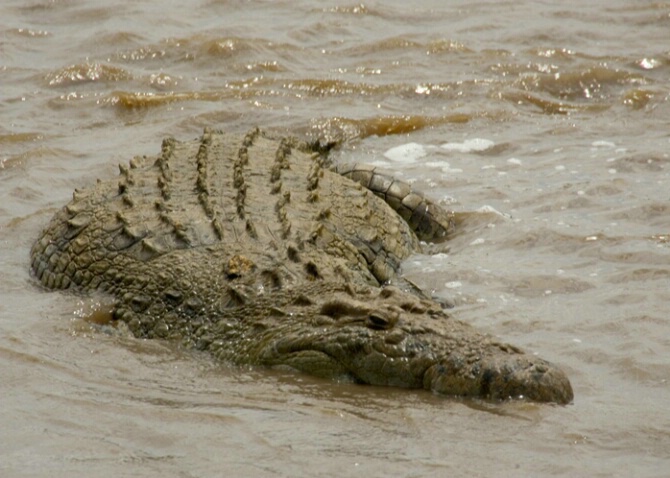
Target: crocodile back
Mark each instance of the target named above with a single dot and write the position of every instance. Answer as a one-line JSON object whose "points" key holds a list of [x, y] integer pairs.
{"points": [[242, 204]]}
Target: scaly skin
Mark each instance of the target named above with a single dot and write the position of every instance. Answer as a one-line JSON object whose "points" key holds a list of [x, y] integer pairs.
{"points": [[381, 336], [248, 247]]}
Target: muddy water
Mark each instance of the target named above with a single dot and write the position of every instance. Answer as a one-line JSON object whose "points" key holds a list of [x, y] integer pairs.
{"points": [[545, 124]]}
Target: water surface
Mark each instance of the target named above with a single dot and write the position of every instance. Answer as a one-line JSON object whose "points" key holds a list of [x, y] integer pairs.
{"points": [[545, 123]]}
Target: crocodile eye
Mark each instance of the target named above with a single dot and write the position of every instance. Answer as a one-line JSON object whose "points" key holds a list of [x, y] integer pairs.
{"points": [[381, 320]]}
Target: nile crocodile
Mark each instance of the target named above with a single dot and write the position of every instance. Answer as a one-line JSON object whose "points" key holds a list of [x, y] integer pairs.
{"points": [[253, 249]]}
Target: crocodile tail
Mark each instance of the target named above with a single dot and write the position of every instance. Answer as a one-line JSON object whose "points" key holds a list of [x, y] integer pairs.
{"points": [[429, 221]]}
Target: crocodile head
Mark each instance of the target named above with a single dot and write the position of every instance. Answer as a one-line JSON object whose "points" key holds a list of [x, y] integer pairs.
{"points": [[389, 337]]}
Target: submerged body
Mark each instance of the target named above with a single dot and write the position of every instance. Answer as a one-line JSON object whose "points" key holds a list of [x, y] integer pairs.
{"points": [[250, 248]]}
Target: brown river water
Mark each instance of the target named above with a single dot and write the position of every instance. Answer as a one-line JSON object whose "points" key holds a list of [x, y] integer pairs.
{"points": [[545, 123]]}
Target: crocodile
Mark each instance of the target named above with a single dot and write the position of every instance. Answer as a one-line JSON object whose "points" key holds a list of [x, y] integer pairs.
{"points": [[256, 249]]}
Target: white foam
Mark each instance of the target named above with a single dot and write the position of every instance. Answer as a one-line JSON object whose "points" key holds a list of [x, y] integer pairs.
{"points": [[379, 163], [603, 144], [444, 166], [406, 153], [490, 209], [469, 145], [487, 208]]}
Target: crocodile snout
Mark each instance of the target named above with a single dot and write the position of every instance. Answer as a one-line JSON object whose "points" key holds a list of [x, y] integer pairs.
{"points": [[513, 377]]}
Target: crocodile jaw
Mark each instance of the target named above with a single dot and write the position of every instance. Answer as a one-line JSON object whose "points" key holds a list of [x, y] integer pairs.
{"points": [[396, 339], [496, 373]]}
